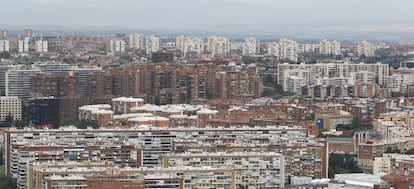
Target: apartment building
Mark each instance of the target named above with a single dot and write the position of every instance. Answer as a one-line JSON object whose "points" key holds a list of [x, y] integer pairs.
{"points": [[288, 50], [57, 85], [250, 46], [24, 45], [102, 87], [152, 44], [91, 175], [17, 82], [259, 170], [10, 106], [145, 146], [4, 46], [187, 44], [124, 104], [218, 46], [159, 83], [137, 41], [104, 175], [41, 46], [329, 47], [333, 73], [366, 48]]}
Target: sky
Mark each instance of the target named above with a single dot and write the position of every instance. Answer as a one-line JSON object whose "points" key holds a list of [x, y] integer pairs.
{"points": [[207, 14]]}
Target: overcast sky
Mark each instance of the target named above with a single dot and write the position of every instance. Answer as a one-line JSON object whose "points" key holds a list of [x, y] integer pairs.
{"points": [[200, 14]]}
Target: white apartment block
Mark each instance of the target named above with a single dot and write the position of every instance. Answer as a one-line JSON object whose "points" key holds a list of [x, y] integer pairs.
{"points": [[294, 84], [363, 77], [400, 79], [136, 41], [366, 48], [250, 46], [288, 49], [307, 48], [255, 170], [382, 165], [4, 34], [394, 126], [24, 45], [10, 105], [41, 46], [329, 47], [4, 46], [315, 74], [218, 46], [399, 164], [74, 174], [20, 76], [146, 147], [273, 49], [116, 46], [189, 44], [152, 44], [17, 82]]}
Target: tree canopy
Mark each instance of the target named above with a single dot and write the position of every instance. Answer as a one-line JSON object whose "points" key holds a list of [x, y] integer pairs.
{"points": [[342, 163], [81, 124]]}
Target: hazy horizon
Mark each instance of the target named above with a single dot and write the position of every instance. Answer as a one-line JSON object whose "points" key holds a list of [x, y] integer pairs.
{"points": [[230, 15], [387, 20]]}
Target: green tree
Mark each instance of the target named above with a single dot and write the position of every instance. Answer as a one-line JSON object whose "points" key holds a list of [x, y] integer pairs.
{"points": [[81, 124], [9, 118], [342, 127], [1, 157], [268, 92], [312, 117], [321, 131], [84, 123], [5, 55], [410, 152], [19, 124], [69, 121], [342, 163], [8, 121], [268, 81], [7, 182], [356, 122]]}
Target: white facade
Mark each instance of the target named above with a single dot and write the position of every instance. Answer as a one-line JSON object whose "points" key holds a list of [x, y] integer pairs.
{"points": [[307, 48], [363, 77], [152, 44], [255, 169], [273, 49], [136, 41], [117, 46], [189, 44], [156, 144], [120, 46], [366, 48], [41, 46], [250, 46], [330, 47], [315, 74], [288, 50], [10, 105], [18, 83], [218, 46], [4, 46], [294, 84], [24, 45], [400, 79], [382, 165]]}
